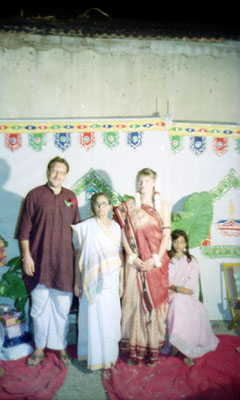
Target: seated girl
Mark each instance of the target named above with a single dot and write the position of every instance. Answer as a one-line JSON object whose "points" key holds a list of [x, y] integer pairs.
{"points": [[189, 330]]}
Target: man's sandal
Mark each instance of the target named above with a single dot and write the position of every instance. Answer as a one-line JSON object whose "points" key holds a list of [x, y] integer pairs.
{"points": [[65, 358], [188, 361], [35, 359]]}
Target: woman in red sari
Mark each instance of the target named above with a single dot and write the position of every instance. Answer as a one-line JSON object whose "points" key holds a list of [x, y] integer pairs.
{"points": [[145, 221]]}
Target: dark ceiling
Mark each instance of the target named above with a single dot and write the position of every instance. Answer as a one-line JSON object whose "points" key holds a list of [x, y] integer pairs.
{"points": [[178, 20]]}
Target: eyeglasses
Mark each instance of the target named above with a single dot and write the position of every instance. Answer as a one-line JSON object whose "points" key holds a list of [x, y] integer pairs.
{"points": [[56, 171], [103, 203]]}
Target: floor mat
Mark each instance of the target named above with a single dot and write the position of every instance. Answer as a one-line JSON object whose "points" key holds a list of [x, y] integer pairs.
{"points": [[214, 376], [20, 382]]}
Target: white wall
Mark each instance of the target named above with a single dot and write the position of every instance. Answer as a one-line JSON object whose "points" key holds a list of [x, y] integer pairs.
{"points": [[68, 77], [180, 175], [62, 77]]}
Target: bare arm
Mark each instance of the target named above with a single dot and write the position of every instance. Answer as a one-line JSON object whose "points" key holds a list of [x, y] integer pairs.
{"points": [[27, 260], [137, 262], [166, 218], [190, 282], [181, 289], [121, 277], [78, 277]]}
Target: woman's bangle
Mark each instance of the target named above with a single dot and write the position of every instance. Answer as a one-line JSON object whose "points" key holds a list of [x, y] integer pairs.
{"points": [[131, 258], [157, 261]]}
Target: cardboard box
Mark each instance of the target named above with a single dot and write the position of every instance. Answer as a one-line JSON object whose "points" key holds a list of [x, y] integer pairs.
{"points": [[15, 330], [11, 318]]}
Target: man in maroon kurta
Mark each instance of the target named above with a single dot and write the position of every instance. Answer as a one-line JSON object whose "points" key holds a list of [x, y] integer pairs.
{"points": [[45, 240]]}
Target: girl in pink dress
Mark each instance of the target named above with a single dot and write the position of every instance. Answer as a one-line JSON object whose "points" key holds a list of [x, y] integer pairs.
{"points": [[189, 330]]}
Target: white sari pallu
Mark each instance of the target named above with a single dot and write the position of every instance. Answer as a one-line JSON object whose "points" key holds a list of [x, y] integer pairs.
{"points": [[99, 307]]}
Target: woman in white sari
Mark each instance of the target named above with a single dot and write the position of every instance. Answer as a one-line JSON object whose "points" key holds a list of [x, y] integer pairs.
{"points": [[99, 285]]}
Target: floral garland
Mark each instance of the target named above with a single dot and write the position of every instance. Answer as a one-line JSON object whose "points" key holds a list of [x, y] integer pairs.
{"points": [[156, 201]]}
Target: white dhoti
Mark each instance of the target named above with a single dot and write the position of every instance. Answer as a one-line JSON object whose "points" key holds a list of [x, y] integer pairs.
{"points": [[50, 311]]}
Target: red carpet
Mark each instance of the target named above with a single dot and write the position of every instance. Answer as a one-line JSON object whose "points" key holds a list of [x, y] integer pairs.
{"points": [[215, 376], [20, 382]]}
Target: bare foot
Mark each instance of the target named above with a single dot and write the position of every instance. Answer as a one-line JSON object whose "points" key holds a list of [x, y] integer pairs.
{"points": [[151, 364], [188, 361]]}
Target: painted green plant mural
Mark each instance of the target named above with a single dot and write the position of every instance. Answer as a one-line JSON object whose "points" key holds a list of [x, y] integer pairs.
{"points": [[195, 218]]}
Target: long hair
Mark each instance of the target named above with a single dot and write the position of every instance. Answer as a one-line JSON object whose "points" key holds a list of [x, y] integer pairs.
{"points": [[152, 174], [175, 235]]}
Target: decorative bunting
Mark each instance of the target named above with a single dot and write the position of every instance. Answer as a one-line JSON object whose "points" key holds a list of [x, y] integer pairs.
{"points": [[111, 139], [13, 141], [134, 139], [122, 125], [37, 141], [87, 140], [76, 125], [198, 144], [112, 129], [205, 130], [220, 146], [62, 140], [176, 143]]}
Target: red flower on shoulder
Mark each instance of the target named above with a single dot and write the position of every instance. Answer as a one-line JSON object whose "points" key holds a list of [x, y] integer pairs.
{"points": [[71, 204]]}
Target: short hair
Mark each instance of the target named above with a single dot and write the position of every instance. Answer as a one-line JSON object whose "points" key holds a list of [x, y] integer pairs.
{"points": [[95, 197], [59, 160], [147, 172]]}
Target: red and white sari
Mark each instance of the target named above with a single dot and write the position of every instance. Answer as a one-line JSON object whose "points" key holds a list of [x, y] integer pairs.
{"points": [[145, 301]]}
